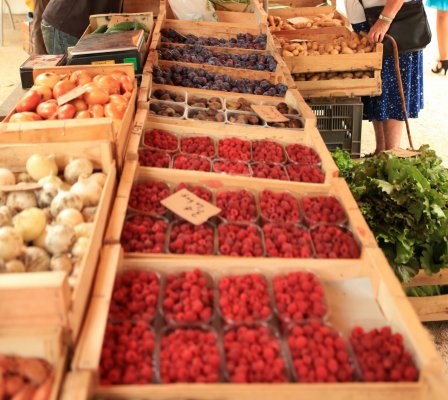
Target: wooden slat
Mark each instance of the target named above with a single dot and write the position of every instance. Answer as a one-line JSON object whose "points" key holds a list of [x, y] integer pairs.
{"points": [[431, 308], [423, 279], [77, 386]]}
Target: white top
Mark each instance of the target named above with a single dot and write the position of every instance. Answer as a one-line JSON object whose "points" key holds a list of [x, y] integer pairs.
{"points": [[355, 12]]}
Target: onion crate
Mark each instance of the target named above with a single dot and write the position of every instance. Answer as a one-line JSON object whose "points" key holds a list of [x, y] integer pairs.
{"points": [[46, 298], [357, 296], [73, 130], [43, 342]]}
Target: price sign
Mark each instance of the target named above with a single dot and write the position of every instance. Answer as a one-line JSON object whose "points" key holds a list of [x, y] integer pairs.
{"points": [[269, 113], [190, 207], [73, 94]]}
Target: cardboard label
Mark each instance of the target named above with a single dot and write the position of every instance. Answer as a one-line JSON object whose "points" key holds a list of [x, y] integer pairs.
{"points": [[73, 94], [402, 153], [190, 207], [269, 113], [115, 19], [21, 187]]}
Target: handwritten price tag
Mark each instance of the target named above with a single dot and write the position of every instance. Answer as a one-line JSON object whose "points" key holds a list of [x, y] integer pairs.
{"points": [[269, 113], [190, 207], [73, 94]]}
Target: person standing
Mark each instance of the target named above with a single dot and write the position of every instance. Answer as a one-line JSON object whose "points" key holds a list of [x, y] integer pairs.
{"points": [[442, 33], [38, 40], [64, 21], [385, 111]]}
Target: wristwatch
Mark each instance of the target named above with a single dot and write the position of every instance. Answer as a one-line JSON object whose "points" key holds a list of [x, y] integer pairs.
{"points": [[385, 19]]}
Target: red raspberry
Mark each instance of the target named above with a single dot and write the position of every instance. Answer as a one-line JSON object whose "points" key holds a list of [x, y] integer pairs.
{"points": [[237, 206], [269, 171], [154, 158], [198, 190], [144, 234], [188, 297], [191, 162], [334, 242], [160, 139], [299, 296], [244, 298], [302, 154], [268, 151], [253, 355], [240, 240], [234, 149], [322, 209], [146, 196], [232, 167], [186, 238], [280, 207], [288, 241], [200, 145], [189, 355], [305, 173]]}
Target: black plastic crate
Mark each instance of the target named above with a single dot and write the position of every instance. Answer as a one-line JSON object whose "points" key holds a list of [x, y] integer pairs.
{"points": [[339, 121]]}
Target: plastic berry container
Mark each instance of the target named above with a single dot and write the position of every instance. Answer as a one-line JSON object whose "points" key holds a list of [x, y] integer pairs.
{"points": [[172, 95], [205, 101], [199, 190], [298, 296], [191, 300], [244, 118], [239, 104], [234, 149], [322, 209], [186, 238], [230, 167], [200, 145], [237, 205], [305, 173], [153, 158], [240, 240], [264, 170], [166, 109], [206, 114], [145, 198], [160, 139], [335, 241], [192, 349], [302, 154], [268, 361], [191, 162], [279, 207], [251, 291], [268, 151]]}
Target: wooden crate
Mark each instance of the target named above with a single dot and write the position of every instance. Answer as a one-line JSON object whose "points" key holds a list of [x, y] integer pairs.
{"points": [[77, 386], [341, 87], [377, 304], [44, 342], [71, 130], [45, 298]]}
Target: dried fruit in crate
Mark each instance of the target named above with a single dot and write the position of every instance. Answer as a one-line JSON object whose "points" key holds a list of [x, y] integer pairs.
{"points": [[189, 355], [127, 354], [279, 207], [293, 123], [234, 149], [200, 145], [160, 139], [188, 297], [269, 171], [253, 355], [153, 158], [287, 241], [146, 196], [322, 209], [319, 354], [240, 240], [237, 206], [191, 162], [332, 241], [244, 118], [232, 167], [322, 76], [166, 110], [167, 95], [285, 109], [210, 114], [305, 173], [214, 103], [244, 298], [268, 151], [186, 238], [298, 296], [144, 234], [381, 356], [198, 190], [134, 297], [302, 154], [240, 104]]}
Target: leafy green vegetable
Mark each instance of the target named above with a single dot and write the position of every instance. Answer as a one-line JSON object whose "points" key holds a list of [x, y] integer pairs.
{"points": [[404, 201]]}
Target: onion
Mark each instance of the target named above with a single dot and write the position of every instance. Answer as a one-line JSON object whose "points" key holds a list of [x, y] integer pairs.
{"points": [[7, 177], [61, 262], [36, 259], [40, 241], [99, 177], [80, 247], [22, 200], [5, 216], [84, 230], [24, 177], [88, 190], [46, 195], [70, 217], [60, 238], [11, 243], [89, 213], [77, 168], [15, 266], [65, 200], [53, 179], [30, 223], [40, 165]]}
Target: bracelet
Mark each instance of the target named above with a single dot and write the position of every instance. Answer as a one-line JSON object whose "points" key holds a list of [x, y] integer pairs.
{"points": [[385, 19]]}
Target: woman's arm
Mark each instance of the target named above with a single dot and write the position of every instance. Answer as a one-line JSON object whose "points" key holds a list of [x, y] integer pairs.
{"points": [[380, 27]]}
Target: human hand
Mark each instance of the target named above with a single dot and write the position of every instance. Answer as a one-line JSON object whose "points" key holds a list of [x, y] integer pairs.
{"points": [[377, 31]]}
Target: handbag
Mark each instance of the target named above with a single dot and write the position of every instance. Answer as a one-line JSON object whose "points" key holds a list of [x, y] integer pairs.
{"points": [[410, 27]]}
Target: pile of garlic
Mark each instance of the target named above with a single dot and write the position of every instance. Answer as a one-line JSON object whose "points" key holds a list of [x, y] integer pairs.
{"points": [[48, 229]]}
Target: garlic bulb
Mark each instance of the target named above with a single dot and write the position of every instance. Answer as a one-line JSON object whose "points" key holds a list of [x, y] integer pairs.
{"points": [[52, 179], [70, 217], [7, 177], [40, 241], [22, 200], [84, 230], [89, 213], [15, 266], [59, 239], [46, 195], [11, 243], [36, 259], [65, 200], [40, 165], [30, 223], [77, 168], [99, 177], [24, 177], [61, 262], [88, 190], [5, 216], [80, 247], [47, 213]]}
